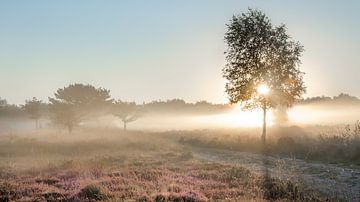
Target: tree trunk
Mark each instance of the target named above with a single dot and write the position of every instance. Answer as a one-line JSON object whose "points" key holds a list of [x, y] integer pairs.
{"points": [[124, 126], [70, 128], [263, 136]]}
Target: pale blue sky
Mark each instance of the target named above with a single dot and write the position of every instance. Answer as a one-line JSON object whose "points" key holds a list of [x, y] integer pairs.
{"points": [[146, 50]]}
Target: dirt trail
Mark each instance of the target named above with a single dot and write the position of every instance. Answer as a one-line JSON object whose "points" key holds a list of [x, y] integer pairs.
{"points": [[330, 179]]}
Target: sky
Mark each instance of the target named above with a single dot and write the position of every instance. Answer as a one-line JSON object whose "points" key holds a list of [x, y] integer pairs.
{"points": [[145, 50]]}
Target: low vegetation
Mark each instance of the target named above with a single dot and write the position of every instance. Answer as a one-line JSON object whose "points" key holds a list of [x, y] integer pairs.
{"points": [[110, 165], [330, 145]]}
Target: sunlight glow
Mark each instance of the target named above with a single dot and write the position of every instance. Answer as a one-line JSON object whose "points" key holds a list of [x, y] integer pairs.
{"points": [[263, 89], [236, 118]]}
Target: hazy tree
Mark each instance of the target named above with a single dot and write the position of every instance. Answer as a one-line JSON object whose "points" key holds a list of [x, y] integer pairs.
{"points": [[74, 102], [9, 110], [261, 64], [33, 108], [127, 112], [3, 104], [64, 114]]}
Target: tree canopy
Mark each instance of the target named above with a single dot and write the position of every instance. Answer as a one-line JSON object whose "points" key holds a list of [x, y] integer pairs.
{"points": [[72, 103], [82, 95], [260, 53], [127, 112]]}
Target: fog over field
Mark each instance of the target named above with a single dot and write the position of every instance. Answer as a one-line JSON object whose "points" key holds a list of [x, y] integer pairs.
{"points": [[179, 101], [320, 113], [308, 115]]}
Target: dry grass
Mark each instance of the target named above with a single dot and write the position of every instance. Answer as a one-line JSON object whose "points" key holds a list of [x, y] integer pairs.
{"points": [[108, 165], [330, 145]]}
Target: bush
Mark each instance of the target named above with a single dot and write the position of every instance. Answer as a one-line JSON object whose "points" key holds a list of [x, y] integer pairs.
{"points": [[183, 197], [7, 192], [160, 198], [143, 198], [333, 146], [93, 192]]}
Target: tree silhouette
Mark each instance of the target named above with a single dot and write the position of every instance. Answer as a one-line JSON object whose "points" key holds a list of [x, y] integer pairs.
{"points": [[261, 57], [127, 112], [72, 103], [33, 108], [3, 105], [9, 110]]}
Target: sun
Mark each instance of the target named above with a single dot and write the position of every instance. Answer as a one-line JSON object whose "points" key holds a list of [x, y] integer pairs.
{"points": [[263, 89]]}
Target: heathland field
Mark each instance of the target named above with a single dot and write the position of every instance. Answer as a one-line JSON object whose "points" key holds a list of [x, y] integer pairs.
{"points": [[109, 165]]}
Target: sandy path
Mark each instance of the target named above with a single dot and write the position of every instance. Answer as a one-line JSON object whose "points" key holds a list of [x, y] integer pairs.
{"points": [[330, 179]]}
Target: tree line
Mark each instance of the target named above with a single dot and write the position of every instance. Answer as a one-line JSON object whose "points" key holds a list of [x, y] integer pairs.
{"points": [[77, 102], [71, 105]]}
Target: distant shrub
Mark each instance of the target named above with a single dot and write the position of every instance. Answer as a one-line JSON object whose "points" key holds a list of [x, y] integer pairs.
{"points": [[93, 192], [287, 141], [182, 140], [186, 155]]}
